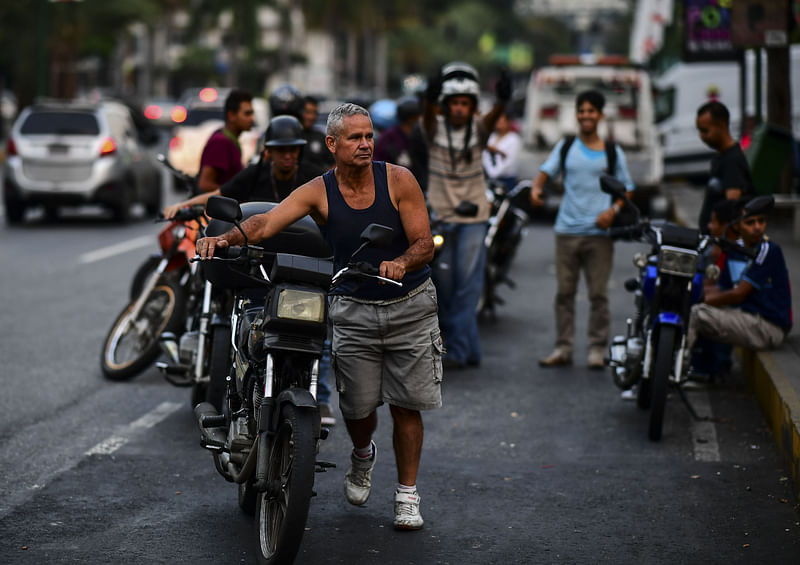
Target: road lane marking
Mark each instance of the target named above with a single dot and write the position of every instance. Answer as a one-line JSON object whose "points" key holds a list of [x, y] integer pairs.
{"points": [[704, 432], [116, 249], [117, 440]]}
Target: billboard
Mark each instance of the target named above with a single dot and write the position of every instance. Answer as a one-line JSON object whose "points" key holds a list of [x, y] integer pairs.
{"points": [[707, 31]]}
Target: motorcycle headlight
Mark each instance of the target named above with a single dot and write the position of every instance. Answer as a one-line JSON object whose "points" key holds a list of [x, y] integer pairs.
{"points": [[301, 305], [675, 261], [438, 241]]}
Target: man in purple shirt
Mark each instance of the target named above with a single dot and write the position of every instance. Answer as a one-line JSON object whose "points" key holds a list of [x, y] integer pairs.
{"points": [[398, 145], [222, 156]]}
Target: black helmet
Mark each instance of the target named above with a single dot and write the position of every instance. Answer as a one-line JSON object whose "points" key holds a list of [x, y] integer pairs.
{"points": [[286, 99], [408, 107], [284, 131]]}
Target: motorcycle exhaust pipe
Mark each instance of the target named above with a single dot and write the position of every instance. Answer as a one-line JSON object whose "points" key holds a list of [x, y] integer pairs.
{"points": [[169, 345]]}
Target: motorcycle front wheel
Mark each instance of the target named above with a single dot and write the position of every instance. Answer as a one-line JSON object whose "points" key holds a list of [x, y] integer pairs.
{"points": [[664, 362], [282, 510], [132, 343]]}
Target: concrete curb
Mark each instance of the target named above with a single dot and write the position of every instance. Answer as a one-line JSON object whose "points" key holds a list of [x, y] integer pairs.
{"points": [[770, 377]]}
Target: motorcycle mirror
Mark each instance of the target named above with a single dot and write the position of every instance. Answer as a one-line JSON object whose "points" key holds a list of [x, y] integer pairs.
{"points": [[228, 210], [613, 186], [224, 208], [377, 235], [467, 209], [759, 205], [714, 185]]}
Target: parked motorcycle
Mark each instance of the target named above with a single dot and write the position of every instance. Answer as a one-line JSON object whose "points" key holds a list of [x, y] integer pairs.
{"points": [[506, 228], [652, 354], [173, 310], [267, 435], [159, 300]]}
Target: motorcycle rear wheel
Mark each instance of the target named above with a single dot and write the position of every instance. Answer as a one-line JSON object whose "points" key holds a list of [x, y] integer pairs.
{"points": [[282, 510], [664, 361], [132, 345]]}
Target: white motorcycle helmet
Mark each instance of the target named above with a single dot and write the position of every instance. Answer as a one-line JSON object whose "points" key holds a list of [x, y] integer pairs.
{"points": [[459, 79]]}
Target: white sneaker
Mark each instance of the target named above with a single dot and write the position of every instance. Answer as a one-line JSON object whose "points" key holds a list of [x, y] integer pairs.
{"points": [[357, 483], [630, 394], [406, 511]]}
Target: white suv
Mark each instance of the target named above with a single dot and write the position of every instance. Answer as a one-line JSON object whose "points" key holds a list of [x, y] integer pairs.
{"points": [[70, 153]]}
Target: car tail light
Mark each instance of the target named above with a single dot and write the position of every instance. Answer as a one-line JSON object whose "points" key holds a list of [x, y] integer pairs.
{"points": [[175, 143], [152, 112], [208, 94], [548, 112], [627, 112], [11, 148], [178, 114], [108, 147]]}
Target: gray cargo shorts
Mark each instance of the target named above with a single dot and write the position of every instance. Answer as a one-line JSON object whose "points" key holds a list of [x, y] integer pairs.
{"points": [[387, 351]]}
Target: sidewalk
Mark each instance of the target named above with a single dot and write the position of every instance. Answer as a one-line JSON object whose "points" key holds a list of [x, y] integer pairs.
{"points": [[774, 376]]}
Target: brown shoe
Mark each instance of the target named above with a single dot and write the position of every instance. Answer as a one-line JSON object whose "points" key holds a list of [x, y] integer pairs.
{"points": [[596, 358], [557, 358]]}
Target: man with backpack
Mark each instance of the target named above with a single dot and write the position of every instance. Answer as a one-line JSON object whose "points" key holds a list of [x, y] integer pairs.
{"points": [[585, 214]]}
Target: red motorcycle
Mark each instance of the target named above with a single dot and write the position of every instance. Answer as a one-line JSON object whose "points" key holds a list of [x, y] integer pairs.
{"points": [[164, 291]]}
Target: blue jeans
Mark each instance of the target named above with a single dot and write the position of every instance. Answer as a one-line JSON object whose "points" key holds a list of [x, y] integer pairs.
{"points": [[458, 272]]}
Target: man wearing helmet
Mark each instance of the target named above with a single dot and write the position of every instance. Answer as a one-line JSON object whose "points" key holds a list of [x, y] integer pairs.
{"points": [[456, 139], [273, 178]]}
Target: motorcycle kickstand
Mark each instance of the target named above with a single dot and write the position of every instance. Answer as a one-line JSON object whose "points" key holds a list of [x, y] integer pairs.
{"points": [[697, 417]]}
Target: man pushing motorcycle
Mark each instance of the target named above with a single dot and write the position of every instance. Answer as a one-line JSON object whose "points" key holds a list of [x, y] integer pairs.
{"points": [[386, 340]]}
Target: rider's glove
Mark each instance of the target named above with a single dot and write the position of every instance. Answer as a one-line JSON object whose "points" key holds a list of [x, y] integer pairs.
{"points": [[502, 87]]}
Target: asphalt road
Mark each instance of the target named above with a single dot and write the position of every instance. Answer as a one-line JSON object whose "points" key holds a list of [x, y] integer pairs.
{"points": [[521, 465]]}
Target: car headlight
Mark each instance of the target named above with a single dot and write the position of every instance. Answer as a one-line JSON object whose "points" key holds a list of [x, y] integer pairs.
{"points": [[301, 305], [677, 261]]}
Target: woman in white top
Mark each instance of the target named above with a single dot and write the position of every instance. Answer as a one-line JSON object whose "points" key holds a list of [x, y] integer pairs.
{"points": [[501, 156]]}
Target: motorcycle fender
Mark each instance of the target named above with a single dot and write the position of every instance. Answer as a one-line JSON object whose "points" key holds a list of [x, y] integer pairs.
{"points": [[298, 397], [670, 318]]}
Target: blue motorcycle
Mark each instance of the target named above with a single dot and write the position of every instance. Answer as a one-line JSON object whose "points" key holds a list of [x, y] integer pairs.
{"points": [[652, 356]]}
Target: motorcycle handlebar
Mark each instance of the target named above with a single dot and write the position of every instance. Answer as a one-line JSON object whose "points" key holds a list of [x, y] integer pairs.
{"points": [[634, 230], [731, 246]]}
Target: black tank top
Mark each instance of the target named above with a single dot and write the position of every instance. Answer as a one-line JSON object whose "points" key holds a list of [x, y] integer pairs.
{"points": [[343, 231]]}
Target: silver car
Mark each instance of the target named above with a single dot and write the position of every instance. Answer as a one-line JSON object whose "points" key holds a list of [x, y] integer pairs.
{"points": [[69, 153]]}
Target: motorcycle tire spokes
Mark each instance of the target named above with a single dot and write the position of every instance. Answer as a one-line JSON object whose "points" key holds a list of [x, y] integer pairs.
{"points": [[132, 343], [282, 510]]}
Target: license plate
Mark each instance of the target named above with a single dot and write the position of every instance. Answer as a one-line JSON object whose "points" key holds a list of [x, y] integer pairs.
{"points": [[58, 149]]}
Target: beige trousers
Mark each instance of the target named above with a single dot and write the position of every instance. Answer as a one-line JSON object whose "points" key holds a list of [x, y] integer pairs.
{"points": [[734, 326], [592, 254]]}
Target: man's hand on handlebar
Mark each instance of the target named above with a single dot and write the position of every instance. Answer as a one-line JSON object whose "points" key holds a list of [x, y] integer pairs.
{"points": [[536, 196], [392, 270], [205, 246]]}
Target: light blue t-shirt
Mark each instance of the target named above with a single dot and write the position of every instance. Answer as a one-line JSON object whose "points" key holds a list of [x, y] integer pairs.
{"points": [[583, 199]]}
